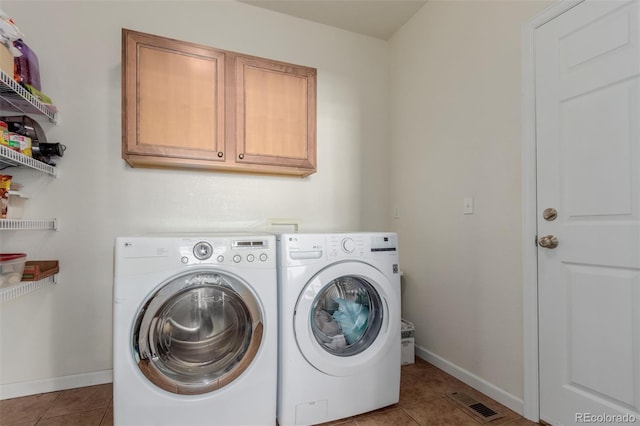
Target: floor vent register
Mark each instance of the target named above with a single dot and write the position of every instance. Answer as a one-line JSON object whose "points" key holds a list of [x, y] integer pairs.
{"points": [[475, 407]]}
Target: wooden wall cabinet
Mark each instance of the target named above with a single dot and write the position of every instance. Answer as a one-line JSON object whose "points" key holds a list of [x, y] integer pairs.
{"points": [[191, 106]]}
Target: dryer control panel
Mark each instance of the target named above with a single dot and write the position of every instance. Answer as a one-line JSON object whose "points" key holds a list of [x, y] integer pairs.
{"points": [[259, 252]]}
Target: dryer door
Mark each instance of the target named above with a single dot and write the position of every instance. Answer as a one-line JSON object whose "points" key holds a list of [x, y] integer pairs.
{"points": [[198, 332], [347, 318]]}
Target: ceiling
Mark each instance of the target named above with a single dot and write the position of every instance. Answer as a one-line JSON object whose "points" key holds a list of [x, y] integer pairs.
{"points": [[375, 18]]}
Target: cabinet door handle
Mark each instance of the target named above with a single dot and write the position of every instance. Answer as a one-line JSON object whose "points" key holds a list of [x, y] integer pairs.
{"points": [[241, 156], [220, 154]]}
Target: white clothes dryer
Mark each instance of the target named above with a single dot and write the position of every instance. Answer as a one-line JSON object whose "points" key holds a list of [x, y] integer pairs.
{"points": [[339, 321], [195, 330]]}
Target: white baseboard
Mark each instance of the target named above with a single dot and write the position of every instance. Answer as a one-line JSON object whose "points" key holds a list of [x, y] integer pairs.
{"points": [[481, 385], [35, 387]]}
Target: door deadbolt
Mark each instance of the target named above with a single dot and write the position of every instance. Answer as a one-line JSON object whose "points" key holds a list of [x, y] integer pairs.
{"points": [[550, 214], [548, 242]]}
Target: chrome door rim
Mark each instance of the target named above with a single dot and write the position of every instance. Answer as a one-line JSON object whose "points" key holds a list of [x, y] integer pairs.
{"points": [[187, 367]]}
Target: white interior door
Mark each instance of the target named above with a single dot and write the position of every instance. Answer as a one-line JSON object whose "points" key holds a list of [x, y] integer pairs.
{"points": [[587, 67]]}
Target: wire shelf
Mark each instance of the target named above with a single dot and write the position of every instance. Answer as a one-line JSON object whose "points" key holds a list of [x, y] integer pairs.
{"points": [[28, 224], [11, 158], [25, 287], [15, 97]]}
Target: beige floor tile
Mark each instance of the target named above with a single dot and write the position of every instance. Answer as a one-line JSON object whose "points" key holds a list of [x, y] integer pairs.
{"points": [[350, 419], [107, 420], [85, 418], [440, 383], [521, 422], [440, 412], [413, 391], [397, 417], [417, 366], [25, 410], [81, 399]]}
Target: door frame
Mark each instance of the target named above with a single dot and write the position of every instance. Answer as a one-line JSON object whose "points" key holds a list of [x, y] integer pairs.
{"points": [[531, 402]]}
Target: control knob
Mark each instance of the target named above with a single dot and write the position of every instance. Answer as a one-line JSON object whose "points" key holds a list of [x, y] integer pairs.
{"points": [[202, 250], [348, 245]]}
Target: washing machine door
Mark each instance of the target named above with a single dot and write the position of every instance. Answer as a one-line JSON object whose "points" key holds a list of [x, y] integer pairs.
{"points": [[347, 318], [198, 332]]}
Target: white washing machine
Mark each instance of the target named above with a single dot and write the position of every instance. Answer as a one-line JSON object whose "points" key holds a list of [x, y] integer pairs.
{"points": [[195, 330], [339, 321]]}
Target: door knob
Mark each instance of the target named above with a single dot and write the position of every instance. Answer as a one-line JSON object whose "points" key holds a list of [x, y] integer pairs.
{"points": [[549, 242]]}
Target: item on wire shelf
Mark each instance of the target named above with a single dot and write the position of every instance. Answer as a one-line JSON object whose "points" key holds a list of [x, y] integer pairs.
{"points": [[46, 152], [5, 138], [41, 150], [4, 133], [17, 201], [22, 143], [27, 69], [9, 33], [35, 270], [38, 94], [5, 185], [11, 268], [6, 60], [25, 126]]}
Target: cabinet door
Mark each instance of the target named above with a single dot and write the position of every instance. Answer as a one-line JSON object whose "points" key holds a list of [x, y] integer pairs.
{"points": [[275, 115], [173, 102]]}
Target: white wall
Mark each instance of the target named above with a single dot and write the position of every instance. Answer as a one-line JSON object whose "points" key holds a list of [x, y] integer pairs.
{"points": [[62, 333], [455, 126], [441, 125]]}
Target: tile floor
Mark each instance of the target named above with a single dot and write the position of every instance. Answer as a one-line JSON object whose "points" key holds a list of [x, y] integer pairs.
{"points": [[423, 402]]}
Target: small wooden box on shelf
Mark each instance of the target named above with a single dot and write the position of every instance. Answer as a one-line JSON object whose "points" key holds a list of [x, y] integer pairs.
{"points": [[36, 270]]}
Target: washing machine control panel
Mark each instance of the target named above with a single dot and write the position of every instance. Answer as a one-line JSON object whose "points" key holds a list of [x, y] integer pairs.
{"points": [[305, 249], [346, 245], [358, 245]]}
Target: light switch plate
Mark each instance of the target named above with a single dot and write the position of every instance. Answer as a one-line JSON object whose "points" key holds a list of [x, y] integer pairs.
{"points": [[468, 205]]}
